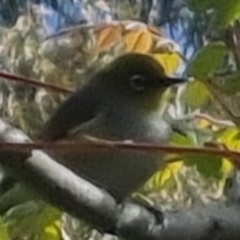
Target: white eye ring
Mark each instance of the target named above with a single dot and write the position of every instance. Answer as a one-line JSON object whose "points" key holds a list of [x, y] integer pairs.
{"points": [[138, 82]]}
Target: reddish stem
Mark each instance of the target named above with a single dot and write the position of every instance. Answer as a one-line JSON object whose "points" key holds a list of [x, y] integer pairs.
{"points": [[108, 145], [17, 78]]}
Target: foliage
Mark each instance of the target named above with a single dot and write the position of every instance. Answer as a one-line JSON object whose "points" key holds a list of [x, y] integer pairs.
{"points": [[3, 231], [224, 13], [69, 57]]}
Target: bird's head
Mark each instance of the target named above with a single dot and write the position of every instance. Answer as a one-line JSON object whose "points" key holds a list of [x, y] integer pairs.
{"points": [[136, 78]]}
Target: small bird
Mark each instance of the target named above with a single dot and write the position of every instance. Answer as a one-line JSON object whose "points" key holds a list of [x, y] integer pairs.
{"points": [[119, 102]]}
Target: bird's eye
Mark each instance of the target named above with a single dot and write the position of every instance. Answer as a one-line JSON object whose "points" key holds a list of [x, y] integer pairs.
{"points": [[138, 83]]}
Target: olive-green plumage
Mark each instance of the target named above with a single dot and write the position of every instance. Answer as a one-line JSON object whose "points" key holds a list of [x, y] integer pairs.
{"points": [[119, 102]]}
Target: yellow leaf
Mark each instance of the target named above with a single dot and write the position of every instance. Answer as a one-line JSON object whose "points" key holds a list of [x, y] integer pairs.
{"points": [[197, 94], [231, 138], [161, 177], [138, 41], [108, 36], [170, 61], [51, 232], [227, 166]]}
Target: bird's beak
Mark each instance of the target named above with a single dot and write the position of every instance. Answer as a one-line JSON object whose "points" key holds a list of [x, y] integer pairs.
{"points": [[169, 81]]}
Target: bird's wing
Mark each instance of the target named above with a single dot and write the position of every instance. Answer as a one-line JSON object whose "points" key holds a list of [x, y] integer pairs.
{"points": [[80, 108]]}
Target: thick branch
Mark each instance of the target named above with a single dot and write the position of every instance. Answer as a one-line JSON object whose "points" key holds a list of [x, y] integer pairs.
{"points": [[61, 187]]}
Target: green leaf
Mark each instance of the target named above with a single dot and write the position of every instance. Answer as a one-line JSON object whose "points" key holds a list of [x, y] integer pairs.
{"points": [[208, 166], [3, 231], [208, 60], [30, 218], [230, 137], [51, 232], [226, 12], [178, 139], [18, 194], [197, 94], [200, 6], [230, 84]]}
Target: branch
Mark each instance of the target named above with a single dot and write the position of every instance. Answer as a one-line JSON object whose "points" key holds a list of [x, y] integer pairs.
{"points": [[232, 42], [96, 144], [33, 82], [60, 187], [76, 28], [224, 123]]}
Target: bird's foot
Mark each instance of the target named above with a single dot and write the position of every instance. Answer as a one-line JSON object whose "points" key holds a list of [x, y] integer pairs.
{"points": [[150, 205]]}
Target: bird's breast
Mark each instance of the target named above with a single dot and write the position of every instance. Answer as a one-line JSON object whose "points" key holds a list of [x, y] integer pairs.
{"points": [[120, 171], [130, 125]]}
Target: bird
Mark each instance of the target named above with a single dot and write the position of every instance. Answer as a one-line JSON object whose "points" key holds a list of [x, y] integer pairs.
{"points": [[119, 102]]}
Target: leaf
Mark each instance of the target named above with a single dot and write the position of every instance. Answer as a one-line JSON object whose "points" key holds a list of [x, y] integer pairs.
{"points": [[134, 25], [230, 84], [3, 231], [108, 36], [197, 94], [200, 6], [230, 137], [226, 12], [51, 232], [208, 166], [227, 167], [30, 218], [16, 195], [178, 139], [170, 61], [161, 178], [208, 60], [138, 41]]}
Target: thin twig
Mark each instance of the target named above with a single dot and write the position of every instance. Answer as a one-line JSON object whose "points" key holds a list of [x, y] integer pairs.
{"points": [[232, 42], [69, 30], [100, 144], [36, 83], [225, 123], [198, 115]]}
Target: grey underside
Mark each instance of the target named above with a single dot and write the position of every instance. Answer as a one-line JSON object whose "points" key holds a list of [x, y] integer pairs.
{"points": [[119, 171]]}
